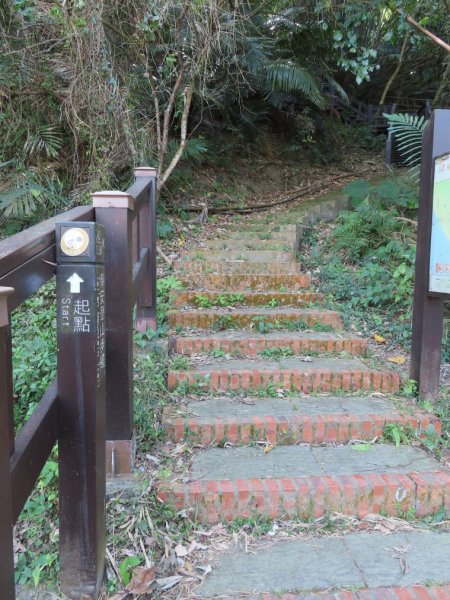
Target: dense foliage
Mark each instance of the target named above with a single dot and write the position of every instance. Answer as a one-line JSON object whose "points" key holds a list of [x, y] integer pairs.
{"points": [[90, 89]]}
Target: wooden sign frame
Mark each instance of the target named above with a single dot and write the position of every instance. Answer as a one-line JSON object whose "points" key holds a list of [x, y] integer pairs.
{"points": [[428, 312]]}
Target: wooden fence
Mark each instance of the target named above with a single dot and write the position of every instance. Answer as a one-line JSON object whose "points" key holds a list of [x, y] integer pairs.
{"points": [[100, 438]]}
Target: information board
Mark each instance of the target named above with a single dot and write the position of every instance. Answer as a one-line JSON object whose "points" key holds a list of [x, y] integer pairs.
{"points": [[440, 228]]}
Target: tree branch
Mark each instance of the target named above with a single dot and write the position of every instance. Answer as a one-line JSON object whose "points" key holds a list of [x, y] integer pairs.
{"points": [[189, 91], [434, 38]]}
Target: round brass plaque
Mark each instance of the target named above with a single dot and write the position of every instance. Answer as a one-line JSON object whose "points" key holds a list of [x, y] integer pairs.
{"points": [[74, 241]]}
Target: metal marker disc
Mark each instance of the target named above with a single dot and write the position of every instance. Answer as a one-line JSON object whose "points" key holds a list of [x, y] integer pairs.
{"points": [[74, 241]]}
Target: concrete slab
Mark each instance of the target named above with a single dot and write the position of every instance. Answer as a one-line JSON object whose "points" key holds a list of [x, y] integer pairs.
{"points": [[332, 364], [352, 561], [259, 256], [310, 407], [305, 461], [379, 458], [287, 566]]}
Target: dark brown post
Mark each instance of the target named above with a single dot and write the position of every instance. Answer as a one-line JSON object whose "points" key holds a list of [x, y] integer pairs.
{"points": [[114, 210], [146, 305], [80, 282], [6, 520], [428, 314]]}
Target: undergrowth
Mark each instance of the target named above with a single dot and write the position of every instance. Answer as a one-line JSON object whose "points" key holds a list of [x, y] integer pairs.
{"points": [[366, 258]]}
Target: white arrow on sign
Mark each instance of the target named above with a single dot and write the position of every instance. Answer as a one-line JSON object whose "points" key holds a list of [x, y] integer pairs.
{"points": [[75, 281]]}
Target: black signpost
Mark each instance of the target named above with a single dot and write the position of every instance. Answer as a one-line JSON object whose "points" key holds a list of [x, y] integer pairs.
{"points": [[432, 282], [80, 280]]}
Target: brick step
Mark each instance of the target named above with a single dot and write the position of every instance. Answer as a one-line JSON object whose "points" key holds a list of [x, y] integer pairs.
{"points": [[319, 375], [306, 482], [237, 282], [291, 420], [253, 256], [248, 344], [237, 244], [254, 317], [237, 266], [248, 298]]}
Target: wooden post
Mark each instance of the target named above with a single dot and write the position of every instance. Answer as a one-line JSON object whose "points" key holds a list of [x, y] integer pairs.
{"points": [[428, 313], [6, 519], [114, 210], [80, 283], [146, 305]]}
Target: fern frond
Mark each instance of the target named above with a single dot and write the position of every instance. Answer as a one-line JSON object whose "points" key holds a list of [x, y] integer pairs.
{"points": [[408, 132]]}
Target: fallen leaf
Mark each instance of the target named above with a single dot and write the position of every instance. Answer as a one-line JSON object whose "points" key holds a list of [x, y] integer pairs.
{"points": [[268, 448], [142, 580], [379, 339], [165, 583], [181, 551], [398, 360]]}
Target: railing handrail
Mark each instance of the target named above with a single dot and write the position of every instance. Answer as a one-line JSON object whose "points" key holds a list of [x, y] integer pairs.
{"points": [[21, 247], [27, 261]]}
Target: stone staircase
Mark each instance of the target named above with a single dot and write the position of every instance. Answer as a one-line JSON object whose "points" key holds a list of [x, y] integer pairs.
{"points": [[282, 404]]}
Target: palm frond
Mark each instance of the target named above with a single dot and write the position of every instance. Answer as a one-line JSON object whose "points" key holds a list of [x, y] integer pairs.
{"points": [[288, 77]]}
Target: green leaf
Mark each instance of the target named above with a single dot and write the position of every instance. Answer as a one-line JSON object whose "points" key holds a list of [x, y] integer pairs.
{"points": [[362, 447], [126, 566]]}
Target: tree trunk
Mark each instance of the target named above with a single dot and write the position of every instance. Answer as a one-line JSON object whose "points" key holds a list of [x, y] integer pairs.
{"points": [[392, 78]]}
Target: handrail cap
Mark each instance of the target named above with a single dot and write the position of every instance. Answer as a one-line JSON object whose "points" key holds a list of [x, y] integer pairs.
{"points": [[112, 199], [145, 172]]}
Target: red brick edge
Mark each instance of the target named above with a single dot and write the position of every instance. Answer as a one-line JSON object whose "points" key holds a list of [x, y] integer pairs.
{"points": [[288, 379], [295, 428], [253, 298], [240, 281], [311, 497], [206, 318], [414, 592]]}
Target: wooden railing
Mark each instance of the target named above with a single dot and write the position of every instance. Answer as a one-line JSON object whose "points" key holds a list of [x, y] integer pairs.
{"points": [[356, 111], [27, 261]]}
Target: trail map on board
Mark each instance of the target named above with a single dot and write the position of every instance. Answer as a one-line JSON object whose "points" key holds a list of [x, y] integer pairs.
{"points": [[440, 228]]}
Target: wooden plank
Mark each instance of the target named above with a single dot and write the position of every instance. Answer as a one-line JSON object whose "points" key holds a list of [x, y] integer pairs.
{"points": [[33, 447], [81, 423], [140, 270], [6, 522]]}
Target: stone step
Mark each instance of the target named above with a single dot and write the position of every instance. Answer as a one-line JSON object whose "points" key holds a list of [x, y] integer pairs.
{"points": [[287, 421], [237, 266], [238, 282], [272, 299], [319, 375], [237, 244], [307, 482], [253, 256], [255, 318], [262, 228], [248, 344], [283, 235], [408, 564]]}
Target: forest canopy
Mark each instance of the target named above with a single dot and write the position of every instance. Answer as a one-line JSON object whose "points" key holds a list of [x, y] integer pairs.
{"points": [[89, 89]]}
